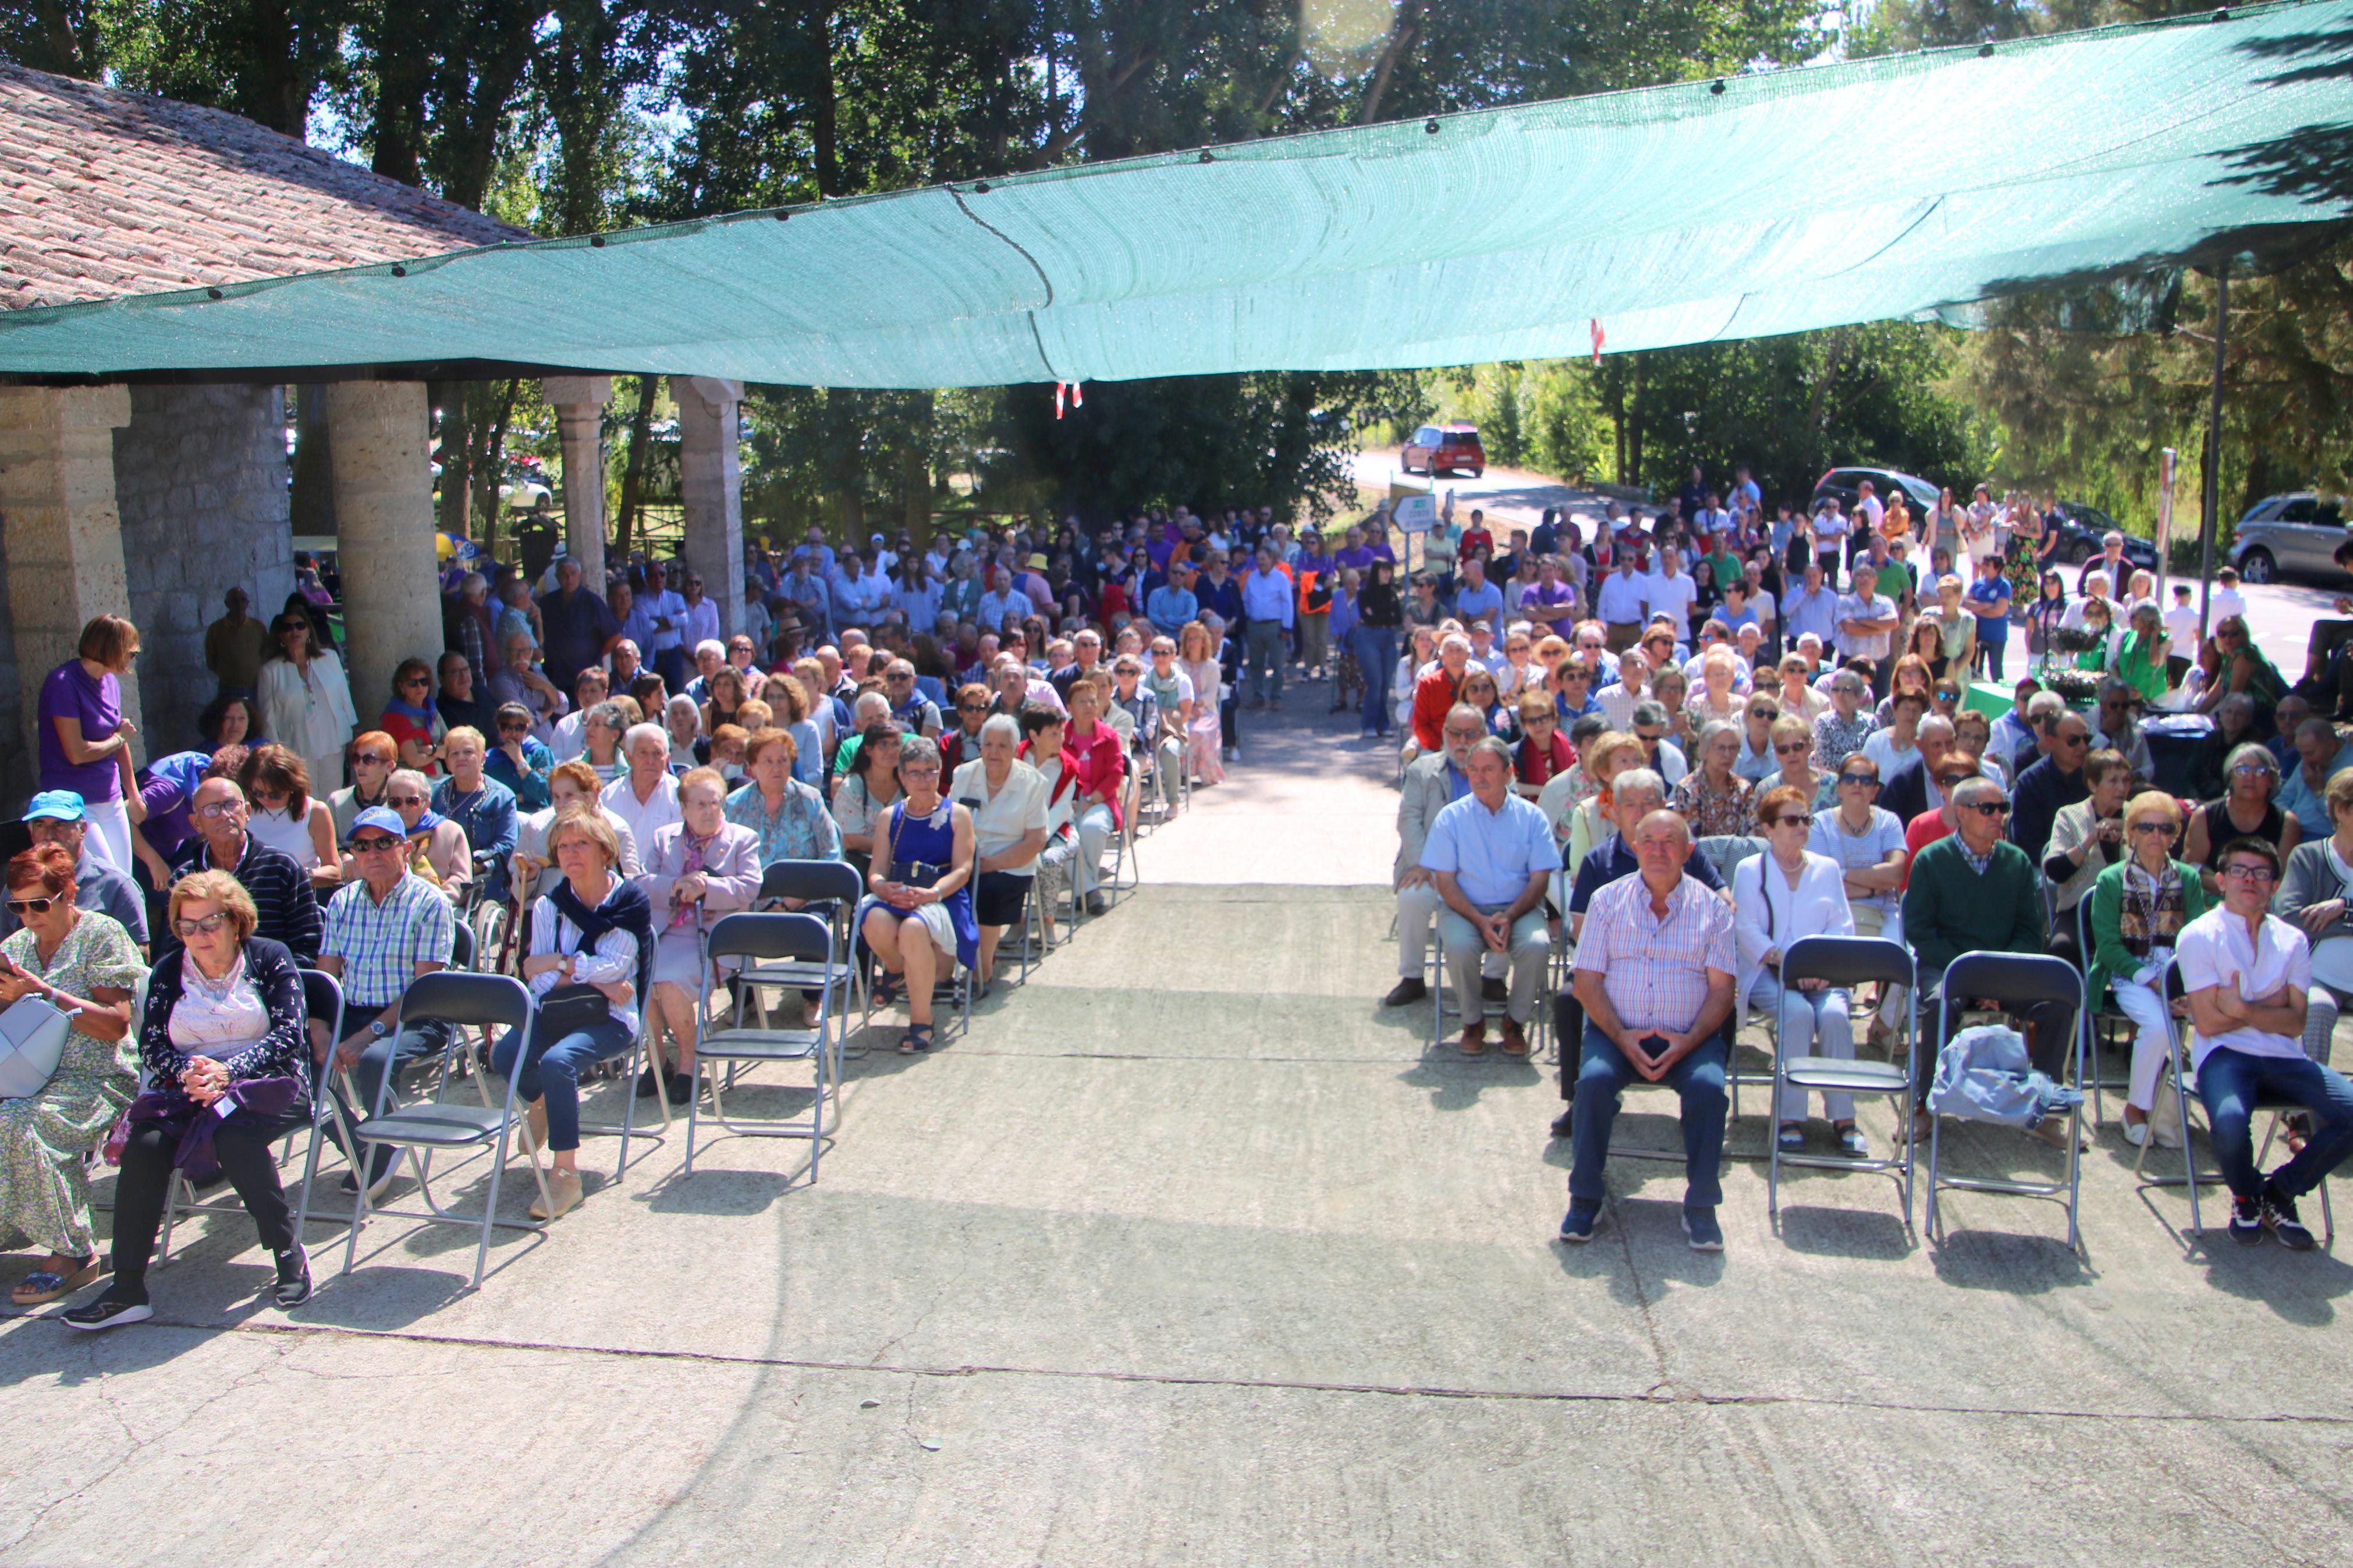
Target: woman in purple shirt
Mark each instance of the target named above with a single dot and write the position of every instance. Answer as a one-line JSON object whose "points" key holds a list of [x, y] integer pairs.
{"points": [[85, 738]]}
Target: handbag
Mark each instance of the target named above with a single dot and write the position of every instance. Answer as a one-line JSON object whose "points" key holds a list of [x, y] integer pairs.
{"points": [[32, 1040], [568, 1009]]}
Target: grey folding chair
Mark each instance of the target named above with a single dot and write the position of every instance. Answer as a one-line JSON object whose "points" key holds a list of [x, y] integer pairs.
{"points": [[803, 946], [639, 1057], [1845, 962], [2185, 1088], [2103, 1020], [2014, 979], [322, 1002], [487, 1002], [829, 890]]}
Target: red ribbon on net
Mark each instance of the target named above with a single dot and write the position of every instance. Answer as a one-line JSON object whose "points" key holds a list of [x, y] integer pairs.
{"points": [[1599, 338], [1078, 396]]}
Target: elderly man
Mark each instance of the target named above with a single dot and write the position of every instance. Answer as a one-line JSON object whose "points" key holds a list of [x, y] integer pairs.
{"points": [[1654, 971], [2055, 781], [1172, 604], [1434, 692], [2320, 754], [710, 657], [2117, 729], [1911, 789], [579, 626], [235, 644], [1432, 782], [386, 929], [58, 817], [858, 595], [2248, 977], [1268, 607], [521, 681], [916, 713], [282, 890], [1977, 891], [1492, 855], [1866, 624], [646, 797]]}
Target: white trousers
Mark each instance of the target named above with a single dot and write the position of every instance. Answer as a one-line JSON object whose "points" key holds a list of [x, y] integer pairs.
{"points": [[109, 835]]}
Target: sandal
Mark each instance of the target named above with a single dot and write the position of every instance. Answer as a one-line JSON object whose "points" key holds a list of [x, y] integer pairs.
{"points": [[918, 1037], [43, 1286], [1792, 1137]]}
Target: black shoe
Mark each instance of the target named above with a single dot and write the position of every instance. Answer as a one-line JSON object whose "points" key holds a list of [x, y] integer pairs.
{"points": [[1493, 989], [680, 1087], [2279, 1215], [108, 1312], [1406, 992], [1565, 1124], [293, 1276], [2246, 1221], [646, 1084], [1098, 903]]}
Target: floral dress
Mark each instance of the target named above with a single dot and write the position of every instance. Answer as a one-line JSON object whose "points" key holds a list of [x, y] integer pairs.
{"points": [[44, 1192], [1716, 813]]}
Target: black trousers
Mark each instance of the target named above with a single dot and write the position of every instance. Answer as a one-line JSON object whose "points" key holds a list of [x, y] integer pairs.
{"points": [[246, 1158]]}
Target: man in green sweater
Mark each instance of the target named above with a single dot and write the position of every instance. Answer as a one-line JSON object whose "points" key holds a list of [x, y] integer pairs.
{"points": [[1975, 891]]}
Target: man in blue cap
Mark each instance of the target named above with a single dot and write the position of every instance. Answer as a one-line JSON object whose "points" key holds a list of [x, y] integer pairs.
{"points": [[56, 816], [387, 927]]}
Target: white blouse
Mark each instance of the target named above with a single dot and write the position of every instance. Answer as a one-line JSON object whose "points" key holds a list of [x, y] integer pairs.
{"points": [[216, 1017], [1768, 913]]}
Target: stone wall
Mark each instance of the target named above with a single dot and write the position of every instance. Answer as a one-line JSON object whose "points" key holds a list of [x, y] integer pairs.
{"points": [[200, 477]]}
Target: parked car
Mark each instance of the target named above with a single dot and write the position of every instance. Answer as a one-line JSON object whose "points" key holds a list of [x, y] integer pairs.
{"points": [[2297, 531], [2082, 531], [1846, 484], [1444, 450]]}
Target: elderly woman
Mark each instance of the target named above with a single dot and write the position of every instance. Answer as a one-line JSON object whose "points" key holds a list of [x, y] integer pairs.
{"points": [[2139, 905], [788, 817], [2142, 654], [1421, 646], [866, 790], [697, 869], [85, 741], [86, 965], [1756, 758], [601, 729], [1799, 697], [1793, 750], [1595, 822], [1718, 702], [222, 1042], [533, 870], [306, 703], [2243, 669], [1713, 797], [921, 907], [1840, 732], [789, 701], [1098, 759], [437, 846], [2248, 809], [374, 756], [2087, 837], [961, 743], [1777, 897], [1973, 733], [1481, 689], [594, 928], [287, 817], [743, 658], [1007, 798], [682, 721], [1542, 750]]}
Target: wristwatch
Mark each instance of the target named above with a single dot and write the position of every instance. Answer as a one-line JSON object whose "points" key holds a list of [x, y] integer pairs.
{"points": [[377, 1029]]}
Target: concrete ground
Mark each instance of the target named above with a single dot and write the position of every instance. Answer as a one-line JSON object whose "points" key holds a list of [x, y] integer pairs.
{"points": [[1190, 1252]]}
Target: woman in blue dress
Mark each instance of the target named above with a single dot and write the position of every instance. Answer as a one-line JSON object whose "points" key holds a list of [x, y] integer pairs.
{"points": [[921, 907]]}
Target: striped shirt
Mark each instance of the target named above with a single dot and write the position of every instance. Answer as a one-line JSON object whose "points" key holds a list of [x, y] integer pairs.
{"points": [[1654, 971], [381, 944], [280, 889]]}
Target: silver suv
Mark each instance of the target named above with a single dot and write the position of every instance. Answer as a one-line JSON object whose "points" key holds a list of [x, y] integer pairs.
{"points": [[2299, 531]]}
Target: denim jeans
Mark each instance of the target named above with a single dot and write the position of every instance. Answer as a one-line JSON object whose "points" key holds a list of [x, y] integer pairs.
{"points": [[1376, 649], [2232, 1083], [1603, 1072], [380, 1059], [551, 1072]]}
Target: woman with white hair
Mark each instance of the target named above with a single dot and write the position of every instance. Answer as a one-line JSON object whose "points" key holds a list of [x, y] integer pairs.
{"points": [[682, 716], [437, 846], [1713, 796], [920, 914], [1007, 798]]}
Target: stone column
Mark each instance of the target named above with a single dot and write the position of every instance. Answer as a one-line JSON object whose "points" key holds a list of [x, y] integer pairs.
{"points": [[62, 530], [579, 403], [710, 483], [384, 528]]}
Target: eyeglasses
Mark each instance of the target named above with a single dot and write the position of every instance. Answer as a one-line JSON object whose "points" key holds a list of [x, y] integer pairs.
{"points": [[1989, 807], [30, 906], [2244, 874], [1862, 781], [2164, 827], [1792, 748], [186, 929], [2250, 769], [219, 808], [401, 800], [372, 843], [1802, 818], [1454, 734]]}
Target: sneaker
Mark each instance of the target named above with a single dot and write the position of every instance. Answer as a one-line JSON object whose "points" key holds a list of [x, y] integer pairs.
{"points": [[1406, 992], [109, 1311], [2246, 1220], [293, 1276], [1579, 1222], [349, 1184], [1706, 1236], [2279, 1215]]}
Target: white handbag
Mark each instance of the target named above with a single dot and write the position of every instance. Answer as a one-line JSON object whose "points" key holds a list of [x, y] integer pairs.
{"points": [[32, 1039]]}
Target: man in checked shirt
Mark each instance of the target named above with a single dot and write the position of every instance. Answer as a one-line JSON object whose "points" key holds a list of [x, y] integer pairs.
{"points": [[1654, 971]]}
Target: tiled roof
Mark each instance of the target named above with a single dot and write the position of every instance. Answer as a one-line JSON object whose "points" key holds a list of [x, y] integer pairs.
{"points": [[104, 193]]}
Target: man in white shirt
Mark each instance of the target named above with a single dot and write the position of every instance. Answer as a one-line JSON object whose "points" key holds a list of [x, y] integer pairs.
{"points": [[1830, 535], [1670, 590], [1618, 602], [646, 797], [1866, 622], [1868, 505], [2248, 975], [667, 607]]}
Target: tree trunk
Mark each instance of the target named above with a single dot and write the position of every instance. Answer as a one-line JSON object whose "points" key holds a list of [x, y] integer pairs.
{"points": [[1402, 33], [822, 148], [633, 472], [490, 469], [456, 455]]}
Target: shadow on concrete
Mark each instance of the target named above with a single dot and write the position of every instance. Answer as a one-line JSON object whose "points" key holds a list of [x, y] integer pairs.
{"points": [[1873, 1235], [1455, 1081], [2009, 1262], [2299, 1288]]}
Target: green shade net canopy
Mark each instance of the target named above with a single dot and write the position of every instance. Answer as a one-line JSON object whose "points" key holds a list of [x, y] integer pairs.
{"points": [[1768, 202]]}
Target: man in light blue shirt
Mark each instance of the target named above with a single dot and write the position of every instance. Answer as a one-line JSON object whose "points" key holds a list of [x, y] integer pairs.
{"points": [[1172, 604], [999, 605], [1810, 608], [806, 588], [667, 652], [858, 595], [1475, 598], [1493, 856]]}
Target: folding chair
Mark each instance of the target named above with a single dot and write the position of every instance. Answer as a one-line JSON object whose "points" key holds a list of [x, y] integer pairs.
{"points": [[1726, 852], [2013, 978], [2185, 1085], [639, 1057], [2103, 1016], [322, 1002], [462, 1001], [803, 946], [1845, 962], [829, 890]]}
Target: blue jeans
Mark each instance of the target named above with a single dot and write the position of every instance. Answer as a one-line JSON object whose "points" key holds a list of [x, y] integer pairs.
{"points": [[1603, 1072], [428, 1037], [552, 1071], [1375, 651], [2231, 1082], [1993, 652]]}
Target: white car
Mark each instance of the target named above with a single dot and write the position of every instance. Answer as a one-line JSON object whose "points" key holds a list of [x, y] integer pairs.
{"points": [[2299, 531]]}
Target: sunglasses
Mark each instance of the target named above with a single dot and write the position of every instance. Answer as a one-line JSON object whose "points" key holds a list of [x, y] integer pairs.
{"points": [[31, 906], [186, 929], [2164, 827], [1861, 780], [400, 800], [513, 726], [418, 680], [1792, 748], [1990, 807], [1803, 819], [372, 843]]}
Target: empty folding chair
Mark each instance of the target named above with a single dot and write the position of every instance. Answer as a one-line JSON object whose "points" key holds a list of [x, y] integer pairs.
{"points": [[828, 889], [2185, 1090], [1845, 962], [488, 1002], [805, 947], [2015, 979]]}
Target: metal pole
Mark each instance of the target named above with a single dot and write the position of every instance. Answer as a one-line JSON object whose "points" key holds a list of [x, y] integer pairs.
{"points": [[2210, 478]]}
